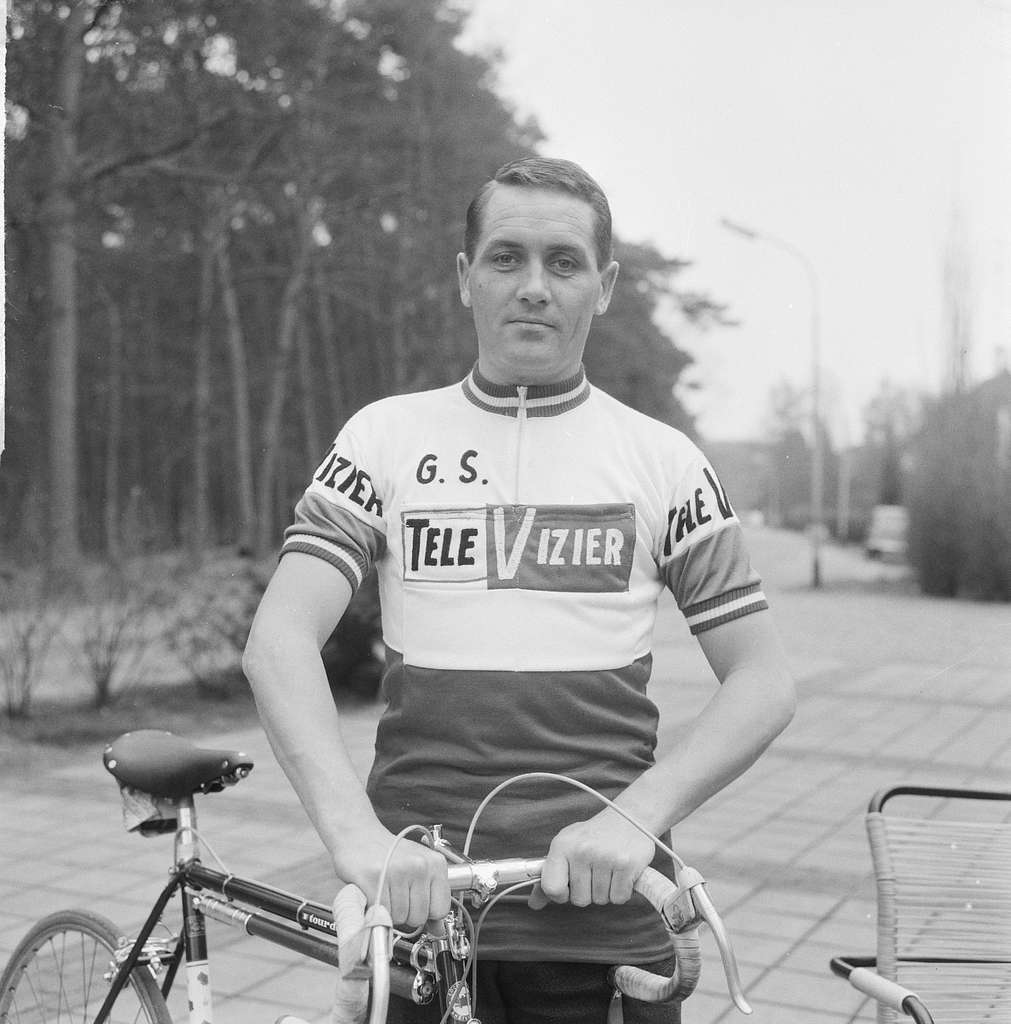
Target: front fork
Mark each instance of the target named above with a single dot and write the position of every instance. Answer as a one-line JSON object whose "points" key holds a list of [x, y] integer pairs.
{"points": [[449, 951]]}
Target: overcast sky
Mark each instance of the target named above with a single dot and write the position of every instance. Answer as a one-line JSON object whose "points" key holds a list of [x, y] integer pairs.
{"points": [[864, 133]]}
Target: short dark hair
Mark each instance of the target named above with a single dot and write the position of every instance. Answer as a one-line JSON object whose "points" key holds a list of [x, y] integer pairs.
{"points": [[547, 173]]}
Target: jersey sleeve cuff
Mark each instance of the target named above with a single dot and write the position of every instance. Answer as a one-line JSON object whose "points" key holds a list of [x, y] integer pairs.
{"points": [[347, 562], [735, 604]]}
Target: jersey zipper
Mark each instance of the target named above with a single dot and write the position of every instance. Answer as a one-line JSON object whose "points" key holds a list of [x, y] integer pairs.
{"points": [[521, 422]]}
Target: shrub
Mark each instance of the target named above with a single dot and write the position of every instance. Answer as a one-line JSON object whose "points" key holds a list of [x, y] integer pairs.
{"points": [[31, 614], [960, 496], [211, 621], [114, 627]]}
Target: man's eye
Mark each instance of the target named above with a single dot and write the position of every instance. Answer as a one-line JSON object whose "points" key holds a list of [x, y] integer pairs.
{"points": [[564, 264], [505, 259]]}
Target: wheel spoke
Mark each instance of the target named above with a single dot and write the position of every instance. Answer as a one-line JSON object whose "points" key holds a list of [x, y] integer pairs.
{"points": [[57, 976], [61, 995], [88, 976]]}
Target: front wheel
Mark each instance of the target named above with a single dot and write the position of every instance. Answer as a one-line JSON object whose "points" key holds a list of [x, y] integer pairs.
{"points": [[61, 970]]}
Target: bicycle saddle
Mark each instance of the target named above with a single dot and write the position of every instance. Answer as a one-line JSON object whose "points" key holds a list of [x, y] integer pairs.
{"points": [[166, 765]]}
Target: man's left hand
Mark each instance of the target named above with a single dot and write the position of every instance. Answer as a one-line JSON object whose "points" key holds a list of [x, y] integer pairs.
{"points": [[593, 861]]}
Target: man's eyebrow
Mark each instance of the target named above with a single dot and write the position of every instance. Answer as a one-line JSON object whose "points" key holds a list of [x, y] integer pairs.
{"points": [[571, 248], [505, 241], [502, 242]]}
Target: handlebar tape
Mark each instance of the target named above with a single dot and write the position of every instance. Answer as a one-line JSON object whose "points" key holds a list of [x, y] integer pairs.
{"points": [[351, 998], [637, 983], [352, 935]]}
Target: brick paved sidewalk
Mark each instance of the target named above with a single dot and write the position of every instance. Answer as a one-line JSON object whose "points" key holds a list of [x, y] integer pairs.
{"points": [[893, 688]]}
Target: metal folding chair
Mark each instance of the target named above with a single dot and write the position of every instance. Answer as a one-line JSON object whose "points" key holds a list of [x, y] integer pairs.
{"points": [[944, 907]]}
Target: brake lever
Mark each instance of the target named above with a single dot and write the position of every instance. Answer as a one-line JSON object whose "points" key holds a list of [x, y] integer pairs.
{"points": [[435, 840], [693, 886], [715, 922]]}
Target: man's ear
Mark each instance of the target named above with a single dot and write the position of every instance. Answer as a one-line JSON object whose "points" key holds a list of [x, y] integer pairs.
{"points": [[607, 278], [463, 276]]}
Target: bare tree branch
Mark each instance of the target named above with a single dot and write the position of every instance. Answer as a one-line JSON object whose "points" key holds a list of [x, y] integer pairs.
{"points": [[142, 157], [188, 173], [263, 149]]}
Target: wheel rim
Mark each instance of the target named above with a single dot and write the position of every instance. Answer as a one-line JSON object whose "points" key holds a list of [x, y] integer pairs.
{"points": [[64, 983]]}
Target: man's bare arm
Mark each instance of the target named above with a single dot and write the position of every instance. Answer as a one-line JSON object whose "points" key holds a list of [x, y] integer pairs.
{"points": [[303, 602], [598, 860], [753, 705]]}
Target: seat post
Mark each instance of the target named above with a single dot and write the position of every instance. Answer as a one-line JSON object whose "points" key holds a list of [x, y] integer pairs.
{"points": [[187, 852], [187, 847]]}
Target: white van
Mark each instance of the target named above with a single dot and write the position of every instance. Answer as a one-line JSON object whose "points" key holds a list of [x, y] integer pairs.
{"points": [[886, 537]]}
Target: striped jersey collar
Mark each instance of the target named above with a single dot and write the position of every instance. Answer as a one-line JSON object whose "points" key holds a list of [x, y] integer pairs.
{"points": [[542, 399]]}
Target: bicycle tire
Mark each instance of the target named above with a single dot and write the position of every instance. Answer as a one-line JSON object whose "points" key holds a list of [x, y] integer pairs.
{"points": [[56, 976]]}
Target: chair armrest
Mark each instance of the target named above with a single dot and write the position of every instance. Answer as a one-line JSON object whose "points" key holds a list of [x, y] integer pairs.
{"points": [[857, 971]]}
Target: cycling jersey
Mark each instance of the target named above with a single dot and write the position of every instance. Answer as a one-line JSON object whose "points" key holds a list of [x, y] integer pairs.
{"points": [[522, 537]]}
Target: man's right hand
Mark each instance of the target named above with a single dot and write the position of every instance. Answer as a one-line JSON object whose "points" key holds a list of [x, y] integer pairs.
{"points": [[417, 881]]}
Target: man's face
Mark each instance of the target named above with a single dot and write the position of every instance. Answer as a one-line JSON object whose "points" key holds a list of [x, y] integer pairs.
{"points": [[534, 285]]}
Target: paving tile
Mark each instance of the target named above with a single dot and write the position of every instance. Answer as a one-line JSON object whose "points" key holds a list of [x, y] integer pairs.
{"points": [[13, 929], [897, 679], [714, 981], [772, 900], [990, 688], [799, 989], [859, 909], [301, 984], [846, 936], [245, 1010], [813, 958], [778, 1013], [38, 901], [727, 893], [747, 922], [697, 850], [983, 740], [841, 851], [759, 950], [242, 967]]}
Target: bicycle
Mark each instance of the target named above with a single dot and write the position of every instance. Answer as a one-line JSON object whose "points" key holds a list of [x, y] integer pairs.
{"points": [[74, 965]]}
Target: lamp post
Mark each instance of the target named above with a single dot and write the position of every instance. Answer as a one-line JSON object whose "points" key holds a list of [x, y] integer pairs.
{"points": [[817, 516]]}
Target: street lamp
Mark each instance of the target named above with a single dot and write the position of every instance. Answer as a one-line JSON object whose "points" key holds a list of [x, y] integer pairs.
{"points": [[817, 516]]}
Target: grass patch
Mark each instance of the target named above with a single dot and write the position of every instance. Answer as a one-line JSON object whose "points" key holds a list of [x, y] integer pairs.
{"points": [[58, 728]]}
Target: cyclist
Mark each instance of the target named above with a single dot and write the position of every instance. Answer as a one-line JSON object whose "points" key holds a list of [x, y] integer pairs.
{"points": [[523, 524]]}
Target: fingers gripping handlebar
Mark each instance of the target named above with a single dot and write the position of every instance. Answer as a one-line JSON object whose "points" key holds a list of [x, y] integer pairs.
{"points": [[683, 906]]}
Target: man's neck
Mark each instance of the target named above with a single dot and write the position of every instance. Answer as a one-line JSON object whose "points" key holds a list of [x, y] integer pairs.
{"points": [[516, 379]]}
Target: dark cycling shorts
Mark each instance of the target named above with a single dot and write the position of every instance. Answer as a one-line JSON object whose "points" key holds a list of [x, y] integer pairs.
{"points": [[511, 992]]}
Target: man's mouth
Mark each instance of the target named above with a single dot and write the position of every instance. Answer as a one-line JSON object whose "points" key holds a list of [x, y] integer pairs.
{"points": [[530, 320]]}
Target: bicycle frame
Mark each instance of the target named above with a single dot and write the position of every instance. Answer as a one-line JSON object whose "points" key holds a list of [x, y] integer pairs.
{"points": [[411, 967], [194, 882], [301, 925], [309, 929]]}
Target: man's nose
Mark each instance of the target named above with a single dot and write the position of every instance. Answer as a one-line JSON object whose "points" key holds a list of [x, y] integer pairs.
{"points": [[534, 284]]}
